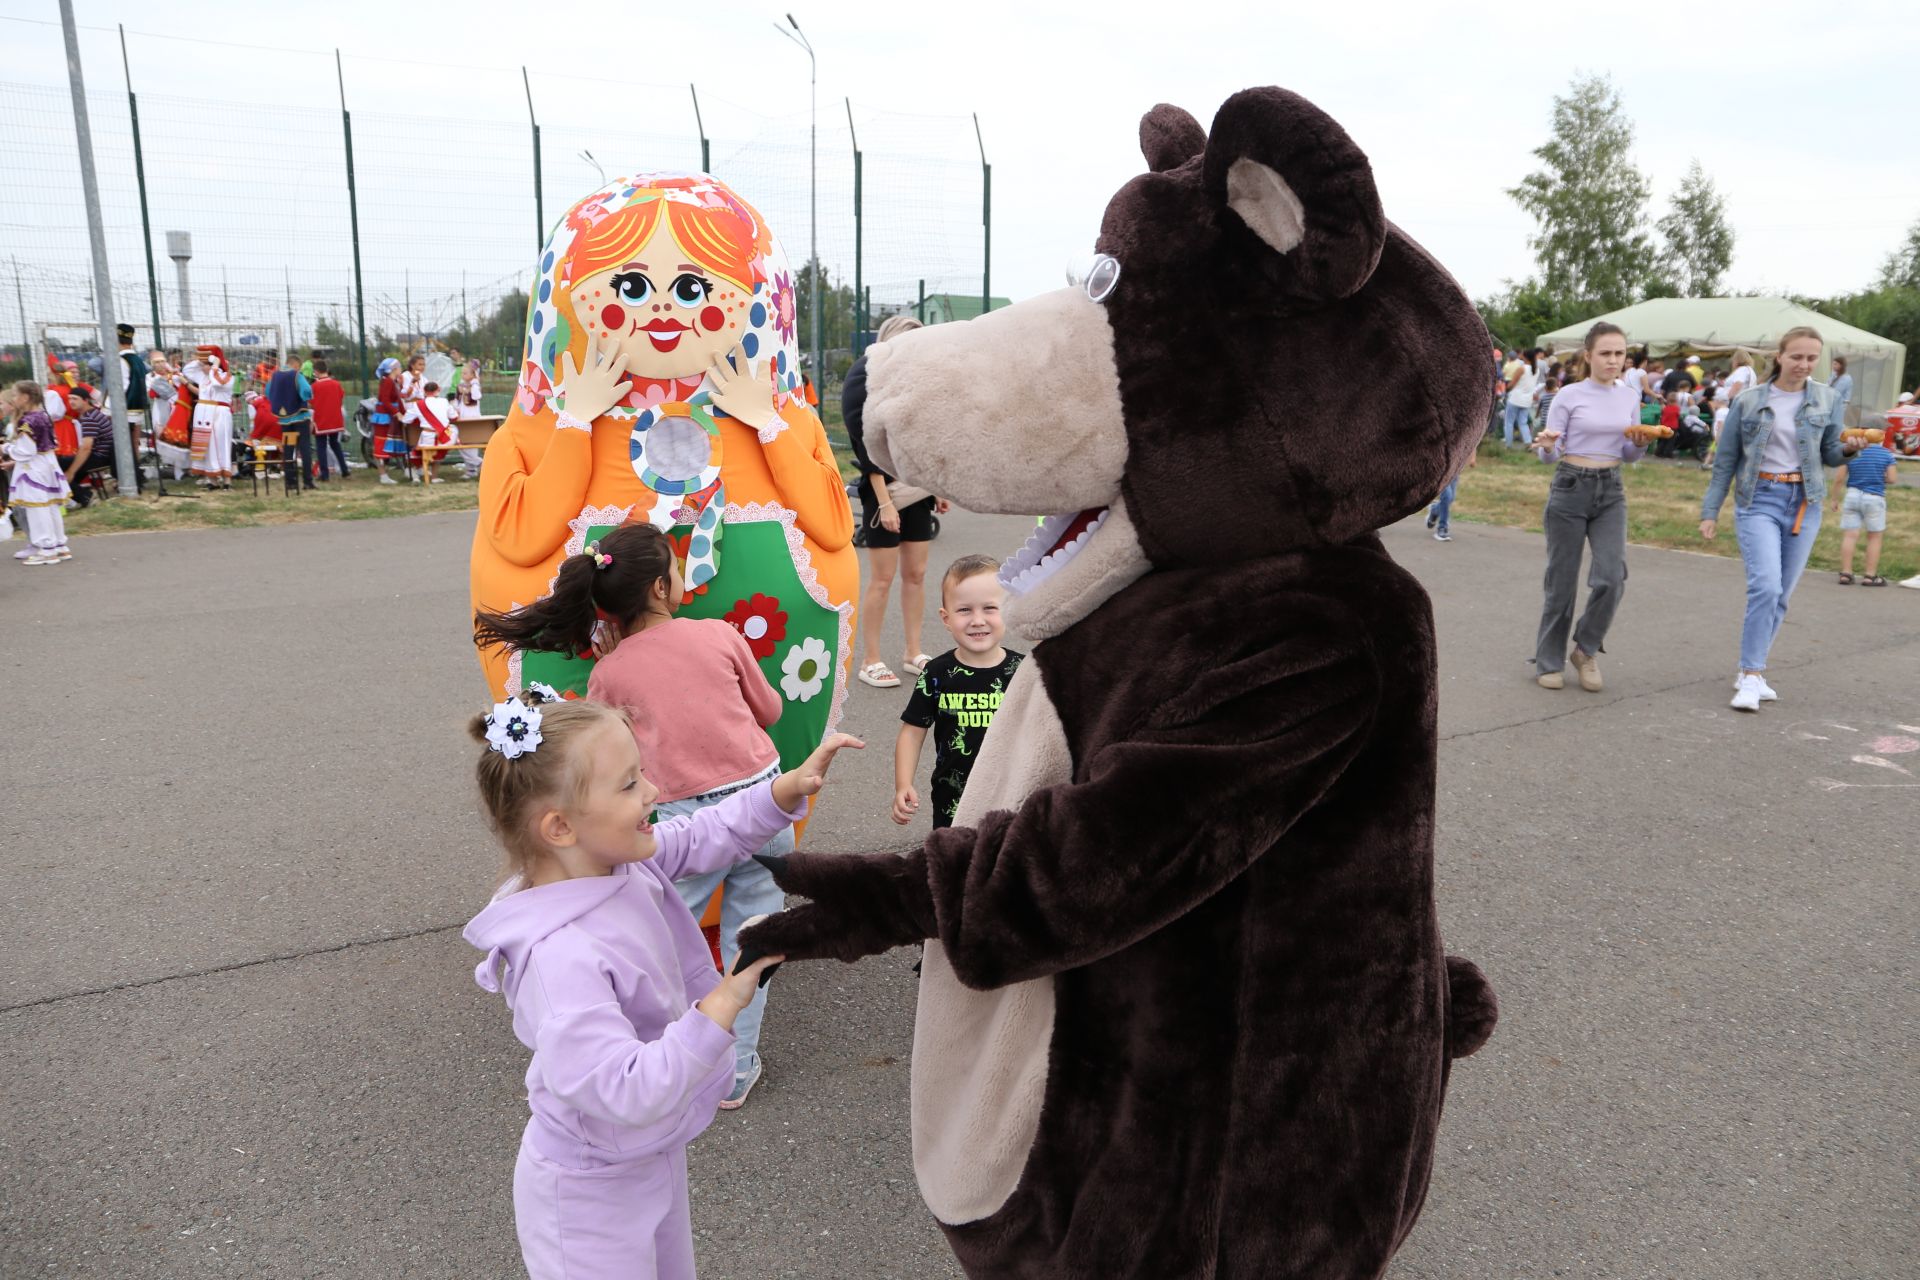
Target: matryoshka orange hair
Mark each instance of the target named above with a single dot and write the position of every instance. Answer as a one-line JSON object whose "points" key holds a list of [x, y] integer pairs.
{"points": [[718, 239]]}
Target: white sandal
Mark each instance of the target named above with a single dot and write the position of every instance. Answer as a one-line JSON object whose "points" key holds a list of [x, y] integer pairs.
{"points": [[916, 664], [877, 675]]}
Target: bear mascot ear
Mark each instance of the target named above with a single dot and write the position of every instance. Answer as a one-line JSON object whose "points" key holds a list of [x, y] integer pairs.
{"points": [[1169, 137], [1294, 178]]}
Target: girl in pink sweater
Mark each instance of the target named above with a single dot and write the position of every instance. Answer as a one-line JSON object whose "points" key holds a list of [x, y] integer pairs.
{"points": [[610, 983], [699, 708]]}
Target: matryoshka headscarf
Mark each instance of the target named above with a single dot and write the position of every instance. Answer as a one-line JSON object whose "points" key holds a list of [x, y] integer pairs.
{"points": [[675, 445]]}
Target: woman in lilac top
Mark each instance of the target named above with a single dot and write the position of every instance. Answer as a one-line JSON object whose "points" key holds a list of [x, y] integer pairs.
{"points": [[1594, 425]]}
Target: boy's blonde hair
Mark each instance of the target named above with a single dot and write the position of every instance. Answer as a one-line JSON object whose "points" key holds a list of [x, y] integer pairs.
{"points": [[515, 790], [962, 569]]}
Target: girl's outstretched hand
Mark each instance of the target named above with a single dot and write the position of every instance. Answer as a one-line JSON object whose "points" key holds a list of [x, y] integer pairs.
{"points": [[790, 788], [724, 1003], [587, 393]]}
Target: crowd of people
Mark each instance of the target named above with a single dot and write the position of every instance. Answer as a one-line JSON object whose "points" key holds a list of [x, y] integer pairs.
{"points": [[188, 414], [1768, 443]]}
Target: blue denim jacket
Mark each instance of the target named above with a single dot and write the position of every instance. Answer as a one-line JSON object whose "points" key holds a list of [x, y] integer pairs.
{"points": [[1743, 440]]}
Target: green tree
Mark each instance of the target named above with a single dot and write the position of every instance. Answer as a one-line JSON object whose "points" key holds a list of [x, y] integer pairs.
{"points": [[1699, 242], [1901, 270], [1589, 201], [1526, 310]]}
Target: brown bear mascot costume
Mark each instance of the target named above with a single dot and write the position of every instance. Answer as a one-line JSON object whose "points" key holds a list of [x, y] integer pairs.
{"points": [[1185, 1010]]}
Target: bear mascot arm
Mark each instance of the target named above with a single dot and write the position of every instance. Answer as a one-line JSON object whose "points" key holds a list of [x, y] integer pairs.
{"points": [[1036, 891]]}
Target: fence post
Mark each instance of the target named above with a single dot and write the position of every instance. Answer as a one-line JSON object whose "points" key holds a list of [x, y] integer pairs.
{"points": [[920, 307], [140, 177], [97, 235], [986, 220], [856, 343], [353, 212], [539, 201], [706, 156]]}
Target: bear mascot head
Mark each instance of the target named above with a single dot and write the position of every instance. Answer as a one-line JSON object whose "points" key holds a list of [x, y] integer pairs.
{"points": [[1185, 1008]]}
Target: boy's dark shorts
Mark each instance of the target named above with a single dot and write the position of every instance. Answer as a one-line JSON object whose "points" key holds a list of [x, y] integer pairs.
{"points": [[916, 522]]}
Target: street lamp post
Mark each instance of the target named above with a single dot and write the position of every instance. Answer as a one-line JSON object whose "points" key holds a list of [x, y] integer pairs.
{"points": [[799, 37]]}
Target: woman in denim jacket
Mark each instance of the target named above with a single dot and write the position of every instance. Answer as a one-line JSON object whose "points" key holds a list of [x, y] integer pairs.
{"points": [[1779, 436]]}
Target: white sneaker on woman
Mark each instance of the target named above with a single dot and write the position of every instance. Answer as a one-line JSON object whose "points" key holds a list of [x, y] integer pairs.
{"points": [[1746, 694], [1766, 690]]}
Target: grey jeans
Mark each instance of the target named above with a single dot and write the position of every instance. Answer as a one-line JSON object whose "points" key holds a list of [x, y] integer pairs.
{"points": [[1584, 505]]}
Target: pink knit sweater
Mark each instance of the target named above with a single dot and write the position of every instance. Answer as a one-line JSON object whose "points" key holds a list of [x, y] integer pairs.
{"points": [[699, 703]]}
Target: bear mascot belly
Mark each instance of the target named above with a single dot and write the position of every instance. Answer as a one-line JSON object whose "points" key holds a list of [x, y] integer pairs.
{"points": [[1185, 1009], [674, 273]]}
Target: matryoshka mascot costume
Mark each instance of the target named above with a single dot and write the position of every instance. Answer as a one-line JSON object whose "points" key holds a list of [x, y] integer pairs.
{"points": [[661, 383]]}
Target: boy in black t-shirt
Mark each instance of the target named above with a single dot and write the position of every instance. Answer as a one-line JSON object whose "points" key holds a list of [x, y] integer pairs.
{"points": [[958, 692]]}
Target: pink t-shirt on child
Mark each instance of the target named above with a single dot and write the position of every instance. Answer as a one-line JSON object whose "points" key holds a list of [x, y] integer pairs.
{"points": [[699, 702]]}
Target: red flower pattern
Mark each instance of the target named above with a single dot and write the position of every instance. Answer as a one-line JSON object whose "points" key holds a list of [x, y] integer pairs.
{"points": [[761, 621]]}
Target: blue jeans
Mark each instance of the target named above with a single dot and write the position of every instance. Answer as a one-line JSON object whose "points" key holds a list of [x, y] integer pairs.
{"points": [[750, 892], [1442, 506], [1518, 415], [1775, 559]]}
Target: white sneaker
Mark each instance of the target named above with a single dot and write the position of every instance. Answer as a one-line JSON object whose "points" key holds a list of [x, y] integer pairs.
{"points": [[387, 479], [1746, 694], [1766, 690], [41, 559]]}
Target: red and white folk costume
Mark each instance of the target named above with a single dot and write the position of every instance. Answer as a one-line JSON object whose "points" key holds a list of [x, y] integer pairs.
{"points": [[212, 415]]}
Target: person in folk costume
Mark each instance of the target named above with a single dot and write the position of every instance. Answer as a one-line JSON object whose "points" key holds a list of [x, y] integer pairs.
{"points": [[661, 383], [65, 400], [176, 438], [432, 417], [212, 417], [164, 410], [413, 382], [263, 432], [388, 442], [466, 406], [37, 488]]}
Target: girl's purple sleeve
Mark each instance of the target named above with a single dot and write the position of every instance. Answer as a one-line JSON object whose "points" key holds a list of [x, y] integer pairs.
{"points": [[720, 835], [665, 1091]]}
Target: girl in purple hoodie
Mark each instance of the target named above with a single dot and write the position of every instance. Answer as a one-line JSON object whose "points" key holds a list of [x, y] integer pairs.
{"points": [[610, 981]]}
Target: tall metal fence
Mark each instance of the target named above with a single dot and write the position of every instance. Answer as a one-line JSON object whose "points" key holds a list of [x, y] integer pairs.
{"points": [[447, 208]]}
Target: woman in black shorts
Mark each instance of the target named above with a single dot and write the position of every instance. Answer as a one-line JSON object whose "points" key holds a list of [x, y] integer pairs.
{"points": [[897, 536]]}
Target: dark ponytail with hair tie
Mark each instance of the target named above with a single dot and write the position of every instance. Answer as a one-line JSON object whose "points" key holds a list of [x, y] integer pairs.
{"points": [[614, 578]]}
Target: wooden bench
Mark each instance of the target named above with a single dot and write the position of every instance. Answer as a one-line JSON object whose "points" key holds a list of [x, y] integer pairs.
{"points": [[474, 434]]}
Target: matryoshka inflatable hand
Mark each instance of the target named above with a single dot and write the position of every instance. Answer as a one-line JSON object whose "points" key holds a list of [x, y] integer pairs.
{"points": [[740, 392], [587, 393]]}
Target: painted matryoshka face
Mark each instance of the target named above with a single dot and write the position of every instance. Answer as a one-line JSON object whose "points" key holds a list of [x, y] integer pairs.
{"points": [[672, 318]]}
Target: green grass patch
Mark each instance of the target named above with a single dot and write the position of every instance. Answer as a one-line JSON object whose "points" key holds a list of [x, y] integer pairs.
{"points": [[362, 497], [1509, 487]]}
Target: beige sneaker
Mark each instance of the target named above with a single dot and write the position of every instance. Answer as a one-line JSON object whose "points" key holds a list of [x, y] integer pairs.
{"points": [[1550, 680], [1589, 671]]}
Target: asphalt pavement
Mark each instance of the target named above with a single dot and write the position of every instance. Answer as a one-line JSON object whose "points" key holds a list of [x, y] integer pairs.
{"points": [[240, 1037]]}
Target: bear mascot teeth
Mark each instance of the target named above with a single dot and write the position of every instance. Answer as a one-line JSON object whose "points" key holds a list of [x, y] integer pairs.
{"points": [[1184, 1008]]}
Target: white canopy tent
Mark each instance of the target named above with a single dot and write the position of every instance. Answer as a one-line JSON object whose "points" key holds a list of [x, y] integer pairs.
{"points": [[1711, 327]]}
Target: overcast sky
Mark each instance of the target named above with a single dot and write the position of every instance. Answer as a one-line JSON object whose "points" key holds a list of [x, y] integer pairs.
{"points": [[1793, 111]]}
